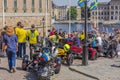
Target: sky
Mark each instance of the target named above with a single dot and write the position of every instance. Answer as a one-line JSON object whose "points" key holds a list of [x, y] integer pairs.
{"points": [[73, 2]]}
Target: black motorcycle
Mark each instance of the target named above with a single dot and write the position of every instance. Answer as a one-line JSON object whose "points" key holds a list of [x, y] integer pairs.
{"points": [[43, 63], [110, 49]]}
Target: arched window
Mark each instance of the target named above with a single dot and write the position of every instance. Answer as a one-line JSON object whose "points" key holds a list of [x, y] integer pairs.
{"points": [[15, 5], [40, 5]]}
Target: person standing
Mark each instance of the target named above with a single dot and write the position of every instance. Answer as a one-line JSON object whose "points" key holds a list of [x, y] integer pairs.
{"points": [[10, 43], [53, 31], [22, 36], [61, 33], [33, 38], [17, 27]]}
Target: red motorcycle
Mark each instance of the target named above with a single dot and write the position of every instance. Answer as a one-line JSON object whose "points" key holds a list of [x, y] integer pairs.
{"points": [[78, 51]]}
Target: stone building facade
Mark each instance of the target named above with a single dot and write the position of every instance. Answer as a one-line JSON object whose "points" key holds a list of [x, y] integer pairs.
{"points": [[60, 12], [27, 11], [107, 12]]}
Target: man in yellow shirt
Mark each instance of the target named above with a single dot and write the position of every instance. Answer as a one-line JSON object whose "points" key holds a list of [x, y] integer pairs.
{"points": [[22, 36], [17, 27], [33, 38], [82, 36], [55, 38]]}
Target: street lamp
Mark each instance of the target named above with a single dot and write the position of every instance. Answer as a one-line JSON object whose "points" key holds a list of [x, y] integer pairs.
{"points": [[85, 47], [3, 13], [43, 21]]}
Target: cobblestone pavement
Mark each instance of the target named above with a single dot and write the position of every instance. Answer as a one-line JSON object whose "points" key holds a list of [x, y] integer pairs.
{"points": [[103, 69], [19, 75], [65, 73]]}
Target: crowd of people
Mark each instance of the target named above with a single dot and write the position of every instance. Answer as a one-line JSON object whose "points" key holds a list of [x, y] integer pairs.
{"points": [[13, 40]]}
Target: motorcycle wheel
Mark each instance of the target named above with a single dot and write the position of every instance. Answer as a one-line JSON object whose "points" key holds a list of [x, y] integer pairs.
{"points": [[112, 54], [70, 59], [40, 78], [24, 65], [25, 62], [58, 65]]}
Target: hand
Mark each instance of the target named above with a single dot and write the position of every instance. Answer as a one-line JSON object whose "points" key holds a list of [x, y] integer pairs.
{"points": [[17, 49], [3, 50]]}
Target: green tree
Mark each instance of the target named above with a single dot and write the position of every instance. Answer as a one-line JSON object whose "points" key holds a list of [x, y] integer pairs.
{"points": [[73, 13]]}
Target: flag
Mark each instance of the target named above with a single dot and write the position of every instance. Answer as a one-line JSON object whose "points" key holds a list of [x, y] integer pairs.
{"points": [[94, 5], [81, 3]]}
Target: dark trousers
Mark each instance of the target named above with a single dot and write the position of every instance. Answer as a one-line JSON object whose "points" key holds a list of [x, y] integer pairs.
{"points": [[32, 48], [21, 49]]}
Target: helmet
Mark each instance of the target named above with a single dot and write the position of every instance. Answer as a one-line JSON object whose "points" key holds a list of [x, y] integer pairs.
{"points": [[66, 47]]}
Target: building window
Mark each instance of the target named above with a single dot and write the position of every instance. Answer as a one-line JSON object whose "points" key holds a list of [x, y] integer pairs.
{"points": [[112, 7], [33, 5], [5, 5], [102, 13], [105, 8], [47, 4], [111, 17], [99, 13], [24, 6], [116, 12], [115, 17], [99, 17], [40, 5], [112, 13], [116, 7], [93, 13], [15, 5]]}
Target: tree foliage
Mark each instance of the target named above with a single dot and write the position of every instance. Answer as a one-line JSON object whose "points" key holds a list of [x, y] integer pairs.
{"points": [[73, 13]]}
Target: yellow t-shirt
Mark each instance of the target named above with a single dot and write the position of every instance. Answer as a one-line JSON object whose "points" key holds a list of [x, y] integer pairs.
{"points": [[81, 36], [32, 36], [16, 30], [55, 39], [22, 34]]}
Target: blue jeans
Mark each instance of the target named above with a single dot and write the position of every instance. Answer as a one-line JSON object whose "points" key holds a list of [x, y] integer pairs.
{"points": [[21, 49], [11, 54]]}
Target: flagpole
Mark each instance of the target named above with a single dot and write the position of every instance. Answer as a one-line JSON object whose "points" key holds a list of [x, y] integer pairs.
{"points": [[3, 14], [69, 17], [46, 17], [97, 20]]}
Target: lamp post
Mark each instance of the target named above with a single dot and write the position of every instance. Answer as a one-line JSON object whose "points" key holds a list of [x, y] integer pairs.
{"points": [[43, 20], [85, 47], [3, 13]]}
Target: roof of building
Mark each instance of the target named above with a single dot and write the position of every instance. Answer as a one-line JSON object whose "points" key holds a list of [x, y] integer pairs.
{"points": [[103, 3]]}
